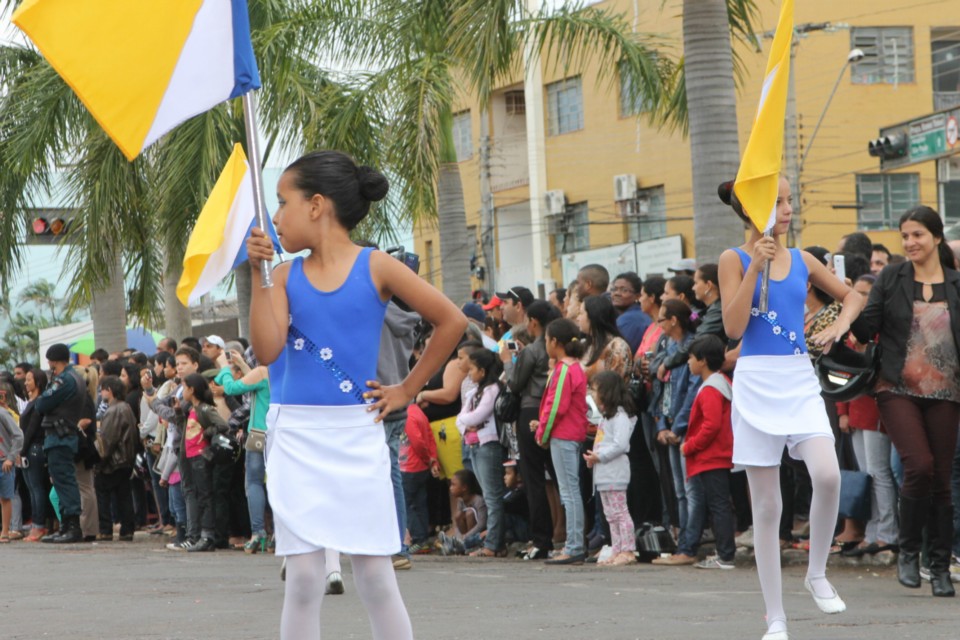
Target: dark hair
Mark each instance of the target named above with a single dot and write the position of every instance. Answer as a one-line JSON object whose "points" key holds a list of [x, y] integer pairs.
{"points": [[334, 175], [39, 379], [470, 346], [882, 249], [163, 358], [710, 272], [8, 394], [100, 354], [543, 312], [567, 335], [468, 479], [635, 282], [613, 393], [139, 357], [191, 342], [869, 278], [681, 311], [603, 324], [111, 368], [114, 385], [683, 286], [561, 294], [934, 224], [860, 243], [133, 375], [200, 387], [709, 347], [243, 342], [820, 253], [492, 368], [653, 286], [190, 352], [598, 275], [494, 325], [26, 366], [729, 198], [855, 265], [170, 342]]}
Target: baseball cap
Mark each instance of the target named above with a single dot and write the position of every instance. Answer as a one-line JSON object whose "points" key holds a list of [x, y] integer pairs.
{"points": [[215, 340], [687, 264], [518, 294], [495, 302], [474, 311]]}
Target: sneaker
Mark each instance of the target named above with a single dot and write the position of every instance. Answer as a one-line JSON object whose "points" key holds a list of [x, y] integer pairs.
{"points": [[334, 584], [745, 539], [202, 545], [675, 560], [402, 563], [178, 546], [450, 546], [419, 549], [535, 553], [925, 573], [714, 562]]}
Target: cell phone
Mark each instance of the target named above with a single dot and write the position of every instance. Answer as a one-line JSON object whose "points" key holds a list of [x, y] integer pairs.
{"points": [[648, 355], [840, 267], [512, 345]]}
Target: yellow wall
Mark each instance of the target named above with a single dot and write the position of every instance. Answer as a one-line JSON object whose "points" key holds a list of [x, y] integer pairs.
{"points": [[583, 163]]}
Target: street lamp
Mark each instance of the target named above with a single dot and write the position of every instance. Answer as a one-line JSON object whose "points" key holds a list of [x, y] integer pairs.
{"points": [[855, 55]]}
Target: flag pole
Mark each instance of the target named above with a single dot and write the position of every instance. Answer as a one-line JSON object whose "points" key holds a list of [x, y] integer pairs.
{"points": [[764, 304], [253, 156]]}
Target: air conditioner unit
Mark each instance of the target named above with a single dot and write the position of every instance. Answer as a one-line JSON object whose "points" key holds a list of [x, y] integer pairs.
{"points": [[556, 202], [624, 187]]}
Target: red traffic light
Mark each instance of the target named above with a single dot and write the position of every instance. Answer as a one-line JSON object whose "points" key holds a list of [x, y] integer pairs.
{"points": [[40, 226]]}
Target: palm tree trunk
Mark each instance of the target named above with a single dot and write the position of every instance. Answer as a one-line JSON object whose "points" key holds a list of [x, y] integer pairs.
{"points": [[244, 282], [712, 105], [176, 317], [109, 311], [455, 251]]}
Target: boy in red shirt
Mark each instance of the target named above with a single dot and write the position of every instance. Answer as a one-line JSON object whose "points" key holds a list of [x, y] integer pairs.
{"points": [[418, 461], [708, 449]]}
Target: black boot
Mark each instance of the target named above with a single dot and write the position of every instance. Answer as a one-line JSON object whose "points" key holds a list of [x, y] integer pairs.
{"points": [[71, 531], [940, 530], [913, 515]]}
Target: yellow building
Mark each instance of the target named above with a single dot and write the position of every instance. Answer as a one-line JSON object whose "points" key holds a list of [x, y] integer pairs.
{"points": [[910, 67]]}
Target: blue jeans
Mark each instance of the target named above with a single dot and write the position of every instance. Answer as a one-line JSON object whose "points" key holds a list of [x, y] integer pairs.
{"points": [[60, 453], [393, 429], [178, 506], [36, 477], [256, 473], [678, 466], [415, 497], [160, 493], [487, 462], [696, 515], [566, 463]]}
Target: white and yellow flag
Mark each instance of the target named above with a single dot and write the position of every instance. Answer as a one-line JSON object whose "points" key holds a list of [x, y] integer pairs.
{"points": [[758, 180]]}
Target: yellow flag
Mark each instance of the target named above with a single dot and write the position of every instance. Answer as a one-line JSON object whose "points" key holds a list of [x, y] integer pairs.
{"points": [[758, 180]]}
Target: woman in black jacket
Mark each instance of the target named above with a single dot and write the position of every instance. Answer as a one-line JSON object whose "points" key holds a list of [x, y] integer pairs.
{"points": [[915, 308]]}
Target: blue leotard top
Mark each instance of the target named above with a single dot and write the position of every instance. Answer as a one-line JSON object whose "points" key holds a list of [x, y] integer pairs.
{"points": [[333, 339], [779, 332]]}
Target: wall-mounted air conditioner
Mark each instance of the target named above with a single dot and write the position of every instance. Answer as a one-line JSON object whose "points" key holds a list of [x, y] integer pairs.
{"points": [[624, 187], [556, 202]]}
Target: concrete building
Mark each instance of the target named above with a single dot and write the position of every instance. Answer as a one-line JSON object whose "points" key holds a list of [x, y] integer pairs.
{"points": [[597, 179]]}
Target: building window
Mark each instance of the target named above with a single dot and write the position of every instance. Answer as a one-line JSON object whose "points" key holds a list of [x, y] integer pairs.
{"points": [[646, 215], [888, 55], [463, 135], [945, 50], [883, 198], [571, 229], [632, 101], [565, 106], [515, 102]]}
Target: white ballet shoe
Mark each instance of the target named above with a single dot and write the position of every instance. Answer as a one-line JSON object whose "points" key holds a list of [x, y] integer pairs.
{"points": [[776, 635], [833, 604]]}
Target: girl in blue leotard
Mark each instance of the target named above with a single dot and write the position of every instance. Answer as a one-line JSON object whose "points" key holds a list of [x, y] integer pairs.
{"points": [[328, 466], [776, 398]]}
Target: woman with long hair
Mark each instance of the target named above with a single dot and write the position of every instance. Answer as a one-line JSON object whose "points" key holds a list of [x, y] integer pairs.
{"points": [[776, 396], [915, 308], [606, 348]]}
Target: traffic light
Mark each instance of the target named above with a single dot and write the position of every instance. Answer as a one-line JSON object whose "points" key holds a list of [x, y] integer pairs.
{"points": [[889, 147], [45, 227]]}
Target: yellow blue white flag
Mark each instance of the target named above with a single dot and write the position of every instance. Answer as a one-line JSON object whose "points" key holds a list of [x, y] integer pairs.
{"points": [[144, 66], [758, 180], [218, 242]]}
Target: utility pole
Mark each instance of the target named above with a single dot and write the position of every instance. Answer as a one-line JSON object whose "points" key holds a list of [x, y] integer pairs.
{"points": [[486, 205]]}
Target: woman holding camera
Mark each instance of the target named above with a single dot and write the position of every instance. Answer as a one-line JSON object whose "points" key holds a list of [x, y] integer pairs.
{"points": [[915, 308]]}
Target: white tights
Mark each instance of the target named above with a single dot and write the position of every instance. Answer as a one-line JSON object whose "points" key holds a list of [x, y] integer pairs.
{"points": [[821, 460], [376, 585]]}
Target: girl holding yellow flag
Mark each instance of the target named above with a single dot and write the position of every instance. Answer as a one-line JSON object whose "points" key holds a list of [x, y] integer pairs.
{"points": [[776, 396]]}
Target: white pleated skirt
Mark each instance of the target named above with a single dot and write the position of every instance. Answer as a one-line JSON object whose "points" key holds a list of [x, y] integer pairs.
{"points": [[776, 402], [328, 480]]}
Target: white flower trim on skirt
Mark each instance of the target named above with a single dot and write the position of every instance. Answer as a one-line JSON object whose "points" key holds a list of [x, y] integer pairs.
{"points": [[328, 478], [779, 395]]}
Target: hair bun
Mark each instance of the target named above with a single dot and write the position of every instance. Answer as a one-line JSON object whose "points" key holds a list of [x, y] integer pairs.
{"points": [[373, 184], [725, 191]]}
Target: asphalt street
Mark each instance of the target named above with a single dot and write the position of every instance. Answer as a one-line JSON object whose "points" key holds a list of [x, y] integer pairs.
{"points": [[140, 590]]}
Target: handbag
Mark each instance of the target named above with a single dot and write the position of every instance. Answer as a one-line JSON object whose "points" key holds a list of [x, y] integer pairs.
{"points": [[256, 440], [654, 540], [855, 498], [506, 409]]}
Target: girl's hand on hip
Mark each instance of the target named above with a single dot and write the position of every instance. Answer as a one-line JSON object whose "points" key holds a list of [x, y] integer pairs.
{"points": [[387, 399]]}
